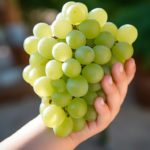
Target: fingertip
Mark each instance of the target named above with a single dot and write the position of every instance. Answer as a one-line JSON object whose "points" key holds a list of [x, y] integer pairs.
{"points": [[99, 103]]}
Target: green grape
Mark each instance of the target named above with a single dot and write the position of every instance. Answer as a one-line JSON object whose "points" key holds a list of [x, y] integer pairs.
{"points": [[60, 16], [105, 38], [90, 97], [35, 73], [75, 39], [25, 73], [61, 28], [111, 27], [65, 128], [61, 51], [43, 107], [90, 28], [101, 94], [122, 51], [54, 69], [61, 98], [36, 60], [102, 54], [93, 73], [127, 33], [95, 86], [42, 87], [77, 13], [77, 86], [59, 85], [91, 114], [53, 116], [77, 108], [78, 124], [98, 14], [46, 100], [71, 68], [85, 55], [107, 69], [30, 44], [45, 47], [42, 30], [112, 61]]}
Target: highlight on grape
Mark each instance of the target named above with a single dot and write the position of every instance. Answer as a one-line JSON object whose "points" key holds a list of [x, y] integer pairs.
{"points": [[69, 58]]}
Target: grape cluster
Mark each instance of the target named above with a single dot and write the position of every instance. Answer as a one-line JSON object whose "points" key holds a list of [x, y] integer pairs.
{"points": [[69, 58]]}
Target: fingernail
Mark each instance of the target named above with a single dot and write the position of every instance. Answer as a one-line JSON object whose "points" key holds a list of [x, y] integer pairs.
{"points": [[101, 101], [110, 80], [120, 67]]}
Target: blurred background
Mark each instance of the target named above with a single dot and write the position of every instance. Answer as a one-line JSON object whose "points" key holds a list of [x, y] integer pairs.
{"points": [[18, 103]]}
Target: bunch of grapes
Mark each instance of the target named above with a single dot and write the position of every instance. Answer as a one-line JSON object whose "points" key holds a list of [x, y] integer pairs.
{"points": [[69, 58]]}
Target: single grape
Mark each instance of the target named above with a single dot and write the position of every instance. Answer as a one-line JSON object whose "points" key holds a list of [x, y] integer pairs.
{"points": [[30, 44], [91, 114], [111, 27], [25, 73], [54, 69], [36, 60], [45, 47], [71, 68], [65, 128], [77, 108], [93, 73], [61, 28], [59, 85], [122, 51], [78, 124], [102, 54], [53, 116], [85, 55], [90, 97], [105, 38], [127, 33], [95, 86], [61, 51], [77, 86], [60, 16], [42, 87], [99, 14], [90, 28], [101, 94], [75, 39], [61, 98], [42, 30], [112, 61]]}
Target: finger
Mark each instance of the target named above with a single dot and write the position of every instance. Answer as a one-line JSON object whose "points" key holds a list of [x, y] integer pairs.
{"points": [[112, 94], [130, 69], [120, 79]]}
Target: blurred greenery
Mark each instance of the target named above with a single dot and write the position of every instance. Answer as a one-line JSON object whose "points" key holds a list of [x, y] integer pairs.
{"points": [[136, 12]]}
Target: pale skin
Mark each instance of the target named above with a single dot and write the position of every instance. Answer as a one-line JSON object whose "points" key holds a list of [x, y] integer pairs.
{"points": [[35, 136]]}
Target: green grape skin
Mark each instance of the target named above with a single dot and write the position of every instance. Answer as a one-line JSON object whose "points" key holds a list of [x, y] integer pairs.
{"points": [[101, 94], [90, 97], [107, 69], [90, 28], [105, 38], [102, 54], [25, 73], [71, 68], [36, 60], [85, 55], [45, 46], [61, 99], [43, 107], [60, 16], [61, 52], [91, 114], [93, 73], [42, 87], [31, 45], [112, 61], [127, 33], [78, 124], [46, 100], [95, 87], [77, 108], [42, 30], [98, 14], [54, 69], [53, 116], [59, 85], [61, 28], [77, 86], [122, 51], [75, 39], [64, 129], [65, 78]]}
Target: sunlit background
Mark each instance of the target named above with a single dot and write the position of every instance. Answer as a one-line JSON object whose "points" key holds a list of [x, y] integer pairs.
{"points": [[18, 103]]}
